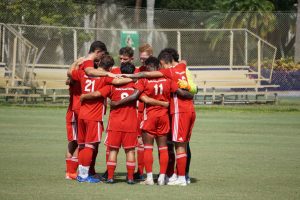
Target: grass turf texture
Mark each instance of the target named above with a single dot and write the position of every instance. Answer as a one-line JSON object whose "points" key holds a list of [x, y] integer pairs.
{"points": [[238, 152]]}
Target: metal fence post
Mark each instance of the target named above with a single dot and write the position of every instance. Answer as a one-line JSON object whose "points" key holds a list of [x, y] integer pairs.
{"points": [[3, 41], [231, 50], [246, 48], [75, 43], [14, 62], [179, 44], [259, 61]]}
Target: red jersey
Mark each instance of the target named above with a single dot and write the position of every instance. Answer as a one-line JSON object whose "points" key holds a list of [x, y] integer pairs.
{"points": [[178, 104], [86, 64], [75, 92], [91, 109], [159, 89], [141, 105], [122, 118]]}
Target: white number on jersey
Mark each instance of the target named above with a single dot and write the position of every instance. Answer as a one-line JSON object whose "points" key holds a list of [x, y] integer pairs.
{"points": [[158, 89], [89, 85], [124, 95]]}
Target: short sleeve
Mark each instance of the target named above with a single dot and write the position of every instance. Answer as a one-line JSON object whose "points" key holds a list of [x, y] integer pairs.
{"points": [[87, 63], [166, 72], [75, 75], [140, 85], [105, 91]]}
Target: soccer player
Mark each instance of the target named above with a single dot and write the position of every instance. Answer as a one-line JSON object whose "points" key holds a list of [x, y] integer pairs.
{"points": [[90, 124], [156, 121], [182, 112], [145, 52], [71, 126]]}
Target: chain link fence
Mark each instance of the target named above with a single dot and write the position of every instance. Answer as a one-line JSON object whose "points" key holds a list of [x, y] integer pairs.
{"points": [[204, 39]]}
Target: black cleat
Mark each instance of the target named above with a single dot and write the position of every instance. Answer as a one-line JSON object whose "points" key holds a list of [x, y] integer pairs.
{"points": [[130, 182], [104, 176], [138, 177]]}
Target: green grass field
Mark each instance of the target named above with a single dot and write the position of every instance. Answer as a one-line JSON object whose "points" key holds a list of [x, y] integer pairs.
{"points": [[238, 152]]}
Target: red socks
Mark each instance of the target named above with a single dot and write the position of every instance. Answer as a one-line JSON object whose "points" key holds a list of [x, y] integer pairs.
{"points": [[111, 166], [130, 169], [140, 159], [71, 165], [163, 159], [85, 156], [181, 163], [148, 157]]}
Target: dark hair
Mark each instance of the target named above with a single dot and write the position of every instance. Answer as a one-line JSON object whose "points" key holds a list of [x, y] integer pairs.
{"points": [[152, 63], [106, 62], [166, 57], [127, 68], [97, 45], [173, 53], [126, 51]]}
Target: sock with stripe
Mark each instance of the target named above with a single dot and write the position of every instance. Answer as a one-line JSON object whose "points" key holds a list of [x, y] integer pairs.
{"points": [[163, 159], [85, 159], [130, 165], [140, 159], [181, 163], [148, 158], [111, 166]]}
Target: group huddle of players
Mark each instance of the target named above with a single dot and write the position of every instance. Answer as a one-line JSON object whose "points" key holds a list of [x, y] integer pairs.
{"points": [[152, 102]]}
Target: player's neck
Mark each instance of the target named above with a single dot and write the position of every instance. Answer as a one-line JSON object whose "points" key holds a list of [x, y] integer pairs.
{"points": [[90, 56]]}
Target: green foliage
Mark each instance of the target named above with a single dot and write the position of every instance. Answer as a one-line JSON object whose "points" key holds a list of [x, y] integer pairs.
{"points": [[186, 4], [282, 64]]}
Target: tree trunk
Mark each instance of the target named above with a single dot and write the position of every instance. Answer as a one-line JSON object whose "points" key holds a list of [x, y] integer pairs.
{"points": [[297, 43], [150, 19], [138, 5]]}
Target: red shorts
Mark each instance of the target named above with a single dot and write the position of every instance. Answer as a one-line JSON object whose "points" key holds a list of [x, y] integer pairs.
{"points": [[89, 131], [157, 126], [182, 125], [71, 125], [115, 139]]}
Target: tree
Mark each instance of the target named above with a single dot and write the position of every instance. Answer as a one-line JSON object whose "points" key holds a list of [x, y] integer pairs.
{"points": [[297, 43]]}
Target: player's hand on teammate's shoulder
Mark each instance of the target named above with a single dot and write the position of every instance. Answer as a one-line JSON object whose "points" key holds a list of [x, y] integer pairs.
{"points": [[165, 104], [82, 97], [113, 104]]}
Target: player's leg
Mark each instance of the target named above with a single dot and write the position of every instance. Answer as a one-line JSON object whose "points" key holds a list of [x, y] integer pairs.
{"points": [[92, 137], [148, 157], [71, 153], [111, 164], [113, 142], [92, 170], [163, 158], [130, 164], [188, 162]]}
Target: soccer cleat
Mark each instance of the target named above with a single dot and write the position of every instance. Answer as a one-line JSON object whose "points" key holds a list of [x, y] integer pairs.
{"points": [[147, 182], [138, 177], [104, 176], [171, 178], [130, 182], [161, 180], [188, 179], [89, 179], [178, 182], [110, 181], [71, 176]]}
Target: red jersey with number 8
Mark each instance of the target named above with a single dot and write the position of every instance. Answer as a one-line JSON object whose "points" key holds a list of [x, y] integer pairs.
{"points": [[122, 118]]}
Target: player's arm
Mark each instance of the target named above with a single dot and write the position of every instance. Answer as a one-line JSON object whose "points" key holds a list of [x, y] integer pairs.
{"points": [[152, 74], [91, 71], [154, 102], [74, 66], [90, 96], [184, 94], [126, 100], [121, 81]]}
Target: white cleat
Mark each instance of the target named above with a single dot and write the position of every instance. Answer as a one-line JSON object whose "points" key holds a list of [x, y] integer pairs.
{"points": [[171, 178], [147, 182], [161, 181], [178, 182]]}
